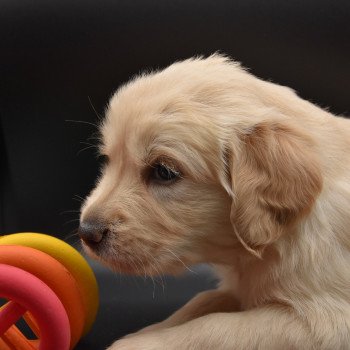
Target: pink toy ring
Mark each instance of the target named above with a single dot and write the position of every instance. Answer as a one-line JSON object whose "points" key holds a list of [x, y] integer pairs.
{"points": [[28, 293]]}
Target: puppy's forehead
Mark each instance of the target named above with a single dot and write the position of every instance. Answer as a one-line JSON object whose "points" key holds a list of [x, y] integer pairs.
{"points": [[148, 111], [161, 126], [135, 125], [185, 94], [178, 96], [172, 112]]}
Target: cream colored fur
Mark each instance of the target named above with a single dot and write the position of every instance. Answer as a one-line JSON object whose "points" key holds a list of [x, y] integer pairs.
{"points": [[264, 197]]}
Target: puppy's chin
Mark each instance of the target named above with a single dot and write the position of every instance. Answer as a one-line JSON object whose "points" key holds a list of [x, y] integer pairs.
{"points": [[128, 265], [107, 258]]}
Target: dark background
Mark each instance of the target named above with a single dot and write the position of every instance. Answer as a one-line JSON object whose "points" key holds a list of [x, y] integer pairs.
{"points": [[62, 60]]}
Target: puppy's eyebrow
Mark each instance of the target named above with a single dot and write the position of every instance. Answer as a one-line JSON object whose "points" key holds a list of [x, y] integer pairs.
{"points": [[160, 155]]}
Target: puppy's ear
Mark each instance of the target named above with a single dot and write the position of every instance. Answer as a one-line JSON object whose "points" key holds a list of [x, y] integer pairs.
{"points": [[275, 182]]}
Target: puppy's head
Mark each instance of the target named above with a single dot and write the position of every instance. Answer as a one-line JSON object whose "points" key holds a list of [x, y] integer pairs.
{"points": [[184, 181]]}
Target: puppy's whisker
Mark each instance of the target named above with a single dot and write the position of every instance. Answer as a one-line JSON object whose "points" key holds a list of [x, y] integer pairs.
{"points": [[69, 212], [75, 243], [86, 148], [78, 198], [70, 221], [88, 144], [82, 122], [73, 233], [150, 276], [154, 279], [177, 257], [95, 136], [143, 266], [135, 265], [137, 268], [158, 269], [152, 262], [96, 139], [94, 109], [162, 281], [154, 286]]}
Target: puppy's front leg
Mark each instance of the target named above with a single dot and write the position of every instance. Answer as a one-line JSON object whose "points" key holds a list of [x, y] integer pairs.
{"points": [[202, 304], [271, 327]]}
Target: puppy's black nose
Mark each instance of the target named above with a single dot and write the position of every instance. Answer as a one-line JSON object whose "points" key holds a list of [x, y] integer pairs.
{"points": [[92, 232]]}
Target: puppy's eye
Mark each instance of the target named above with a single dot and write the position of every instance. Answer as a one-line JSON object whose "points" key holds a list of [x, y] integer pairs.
{"points": [[164, 174], [103, 159]]}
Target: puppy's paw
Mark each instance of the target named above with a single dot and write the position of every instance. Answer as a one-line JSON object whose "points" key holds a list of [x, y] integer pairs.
{"points": [[152, 341]]}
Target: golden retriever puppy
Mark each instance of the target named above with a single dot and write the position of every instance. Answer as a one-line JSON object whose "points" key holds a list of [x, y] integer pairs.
{"points": [[207, 163]]}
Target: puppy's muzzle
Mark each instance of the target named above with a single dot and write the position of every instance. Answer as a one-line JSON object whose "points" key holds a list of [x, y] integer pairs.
{"points": [[92, 232]]}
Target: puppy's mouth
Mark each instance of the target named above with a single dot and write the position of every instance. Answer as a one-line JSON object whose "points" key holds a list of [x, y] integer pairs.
{"points": [[124, 253], [119, 260], [112, 257], [137, 260]]}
